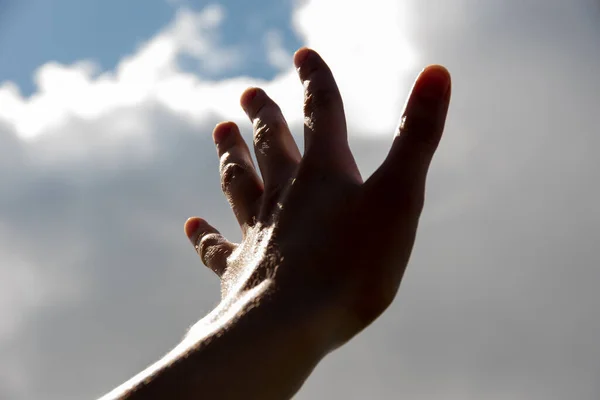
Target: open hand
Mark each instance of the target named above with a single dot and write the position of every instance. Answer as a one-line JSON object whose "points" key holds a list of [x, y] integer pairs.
{"points": [[313, 232]]}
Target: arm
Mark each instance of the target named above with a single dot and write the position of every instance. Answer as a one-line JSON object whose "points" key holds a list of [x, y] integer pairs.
{"points": [[255, 349]]}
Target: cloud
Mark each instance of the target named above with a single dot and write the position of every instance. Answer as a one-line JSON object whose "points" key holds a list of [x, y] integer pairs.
{"points": [[103, 167], [277, 55], [367, 47], [151, 74]]}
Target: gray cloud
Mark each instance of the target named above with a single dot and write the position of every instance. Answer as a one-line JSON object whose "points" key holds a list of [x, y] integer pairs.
{"points": [[499, 300]]}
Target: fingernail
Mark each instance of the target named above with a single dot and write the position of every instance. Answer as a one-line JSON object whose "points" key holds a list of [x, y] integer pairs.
{"points": [[192, 225], [301, 56]]}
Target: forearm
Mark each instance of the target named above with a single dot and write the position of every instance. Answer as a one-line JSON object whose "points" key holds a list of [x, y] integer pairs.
{"points": [[249, 351]]}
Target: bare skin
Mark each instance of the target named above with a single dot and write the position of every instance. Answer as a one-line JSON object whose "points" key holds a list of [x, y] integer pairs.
{"points": [[323, 252]]}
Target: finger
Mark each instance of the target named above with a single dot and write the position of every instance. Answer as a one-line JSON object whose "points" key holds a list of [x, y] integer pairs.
{"points": [[239, 180], [325, 132], [275, 148], [401, 178], [210, 245]]}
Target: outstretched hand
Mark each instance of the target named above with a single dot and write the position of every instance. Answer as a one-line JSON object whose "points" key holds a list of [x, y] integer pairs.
{"points": [[317, 239]]}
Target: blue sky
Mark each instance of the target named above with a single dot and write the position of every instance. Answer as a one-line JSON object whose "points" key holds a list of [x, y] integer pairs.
{"points": [[34, 32]]}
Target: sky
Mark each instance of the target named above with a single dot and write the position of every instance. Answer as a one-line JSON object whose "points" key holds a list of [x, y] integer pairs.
{"points": [[106, 111]]}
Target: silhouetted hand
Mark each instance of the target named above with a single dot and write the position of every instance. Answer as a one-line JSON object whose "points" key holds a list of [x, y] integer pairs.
{"points": [[319, 242]]}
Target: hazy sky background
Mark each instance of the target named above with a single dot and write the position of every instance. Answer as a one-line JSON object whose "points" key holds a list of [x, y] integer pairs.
{"points": [[106, 110]]}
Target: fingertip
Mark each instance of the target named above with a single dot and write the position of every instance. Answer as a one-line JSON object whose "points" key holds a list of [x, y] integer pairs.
{"points": [[210, 245], [248, 96], [222, 131], [301, 56], [424, 116], [437, 69], [192, 226], [433, 82]]}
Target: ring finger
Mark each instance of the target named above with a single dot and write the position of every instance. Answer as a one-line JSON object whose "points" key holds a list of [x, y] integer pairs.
{"points": [[240, 182]]}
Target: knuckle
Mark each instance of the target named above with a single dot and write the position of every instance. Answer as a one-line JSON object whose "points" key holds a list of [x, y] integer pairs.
{"points": [[209, 247], [318, 97], [266, 128], [215, 255], [231, 172], [262, 134]]}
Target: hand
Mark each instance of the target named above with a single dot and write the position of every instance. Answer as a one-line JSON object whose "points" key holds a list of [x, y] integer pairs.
{"points": [[313, 232]]}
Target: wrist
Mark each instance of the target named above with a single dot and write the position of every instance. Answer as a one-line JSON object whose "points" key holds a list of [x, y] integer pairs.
{"points": [[254, 346], [273, 312], [273, 338], [276, 314]]}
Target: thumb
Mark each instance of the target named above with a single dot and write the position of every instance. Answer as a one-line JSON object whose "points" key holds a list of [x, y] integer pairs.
{"points": [[401, 178]]}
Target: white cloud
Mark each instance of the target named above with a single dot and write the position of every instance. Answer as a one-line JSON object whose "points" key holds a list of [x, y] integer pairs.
{"points": [[366, 44], [151, 74]]}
